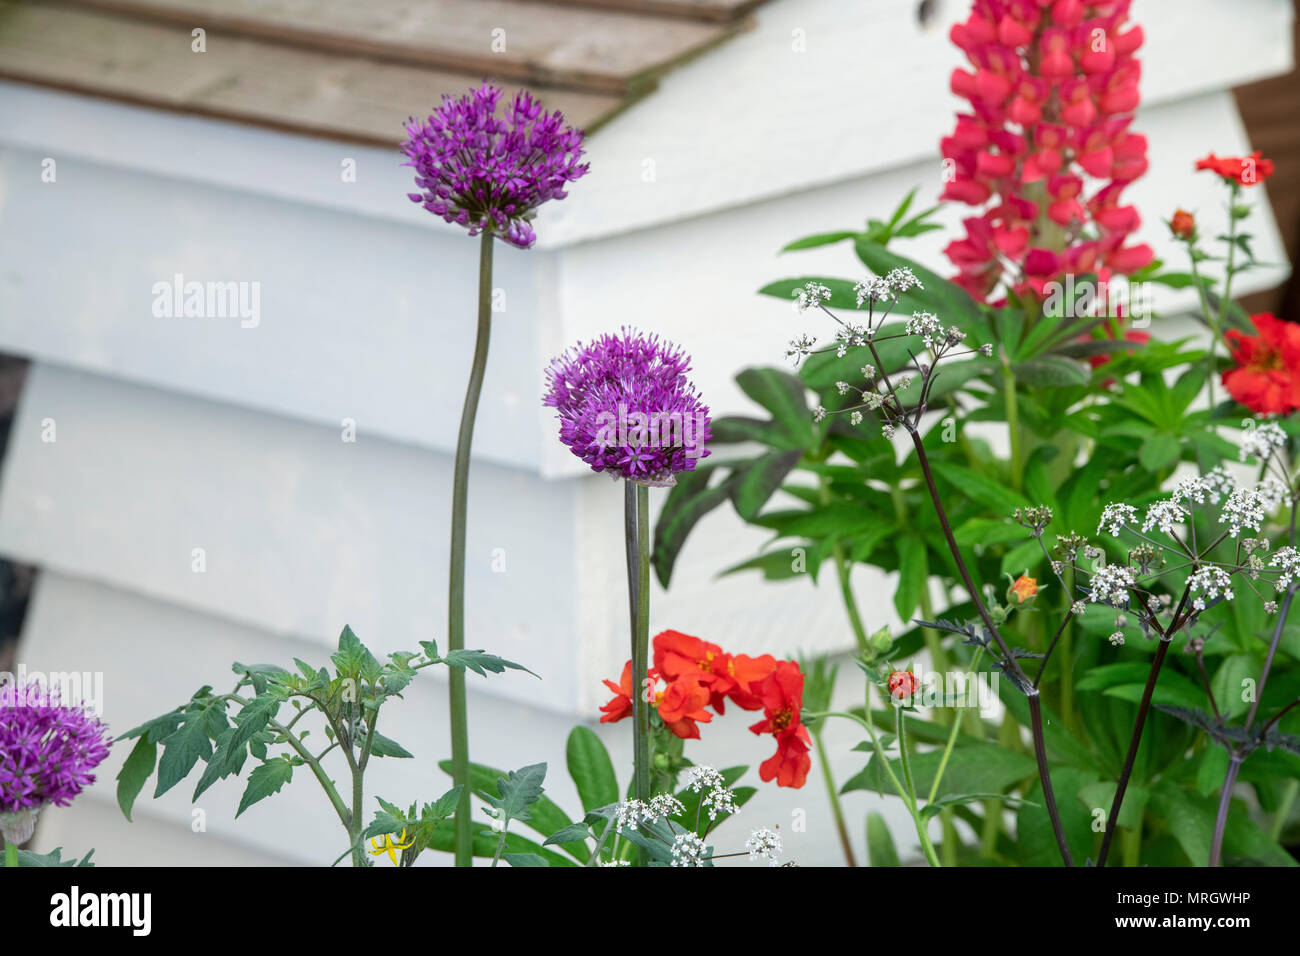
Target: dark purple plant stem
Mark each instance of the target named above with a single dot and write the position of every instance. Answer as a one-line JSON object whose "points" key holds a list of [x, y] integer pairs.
{"points": [[1236, 757], [1035, 705], [1225, 802], [1122, 786]]}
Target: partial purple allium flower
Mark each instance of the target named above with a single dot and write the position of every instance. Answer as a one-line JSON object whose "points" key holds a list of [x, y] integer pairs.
{"points": [[483, 171], [47, 751], [625, 406]]}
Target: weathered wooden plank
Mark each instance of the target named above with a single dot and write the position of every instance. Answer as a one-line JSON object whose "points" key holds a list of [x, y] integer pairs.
{"points": [[586, 48], [707, 10], [349, 98]]}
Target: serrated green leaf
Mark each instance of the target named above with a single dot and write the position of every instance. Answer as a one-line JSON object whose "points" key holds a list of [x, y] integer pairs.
{"points": [[264, 781]]}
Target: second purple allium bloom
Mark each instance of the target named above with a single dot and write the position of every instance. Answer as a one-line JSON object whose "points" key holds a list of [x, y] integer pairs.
{"points": [[479, 170], [626, 407], [47, 750]]}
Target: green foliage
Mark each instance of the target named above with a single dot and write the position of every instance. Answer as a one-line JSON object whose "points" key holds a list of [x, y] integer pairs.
{"points": [[255, 728], [827, 492]]}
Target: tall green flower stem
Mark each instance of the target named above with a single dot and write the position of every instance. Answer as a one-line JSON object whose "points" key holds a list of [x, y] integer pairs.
{"points": [[636, 519], [11, 853], [833, 793], [456, 582], [904, 787]]}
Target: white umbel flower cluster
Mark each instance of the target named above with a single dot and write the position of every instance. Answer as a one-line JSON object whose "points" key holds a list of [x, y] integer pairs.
{"points": [[634, 813], [764, 844], [689, 850], [1166, 515], [1288, 559], [1115, 516], [1244, 509], [811, 296], [1207, 583], [873, 289], [718, 797], [1110, 585], [926, 325], [1262, 440]]}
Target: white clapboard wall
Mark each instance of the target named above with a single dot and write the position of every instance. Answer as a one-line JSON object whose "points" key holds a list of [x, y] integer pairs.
{"points": [[175, 434]]}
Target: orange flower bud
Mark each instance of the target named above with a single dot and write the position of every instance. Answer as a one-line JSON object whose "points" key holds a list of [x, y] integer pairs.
{"points": [[1183, 225], [903, 684], [1024, 589]]}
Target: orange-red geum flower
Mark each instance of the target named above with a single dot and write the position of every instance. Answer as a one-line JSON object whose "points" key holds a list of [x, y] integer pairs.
{"points": [[681, 706], [681, 703], [903, 684], [677, 655], [782, 696], [1024, 588], [1183, 224], [1267, 377], [1245, 170], [621, 705]]}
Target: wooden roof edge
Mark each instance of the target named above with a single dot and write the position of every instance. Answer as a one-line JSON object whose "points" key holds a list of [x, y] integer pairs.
{"points": [[671, 9], [304, 36], [282, 124], [384, 51]]}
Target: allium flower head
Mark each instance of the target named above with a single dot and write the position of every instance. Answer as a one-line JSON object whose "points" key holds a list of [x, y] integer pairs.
{"points": [[626, 406], [479, 170], [47, 753]]}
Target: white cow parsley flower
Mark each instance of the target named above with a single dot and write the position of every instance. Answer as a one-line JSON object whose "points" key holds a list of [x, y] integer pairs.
{"points": [[1272, 493], [1262, 440], [1288, 559], [764, 844], [800, 347], [926, 325], [1116, 516], [1165, 515], [1117, 639], [1243, 509], [1110, 585], [1209, 582], [665, 805], [688, 850], [873, 289], [812, 295], [718, 797], [902, 279]]}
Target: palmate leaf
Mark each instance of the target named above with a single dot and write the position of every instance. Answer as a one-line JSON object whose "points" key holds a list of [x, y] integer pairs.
{"points": [[755, 484], [783, 396], [690, 500]]}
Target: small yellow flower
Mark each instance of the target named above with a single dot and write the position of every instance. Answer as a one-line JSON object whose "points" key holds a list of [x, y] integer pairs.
{"points": [[389, 847]]}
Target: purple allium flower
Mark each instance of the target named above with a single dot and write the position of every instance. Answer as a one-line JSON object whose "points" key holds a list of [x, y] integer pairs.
{"points": [[625, 406], [47, 751], [480, 170]]}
